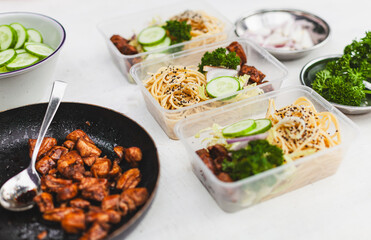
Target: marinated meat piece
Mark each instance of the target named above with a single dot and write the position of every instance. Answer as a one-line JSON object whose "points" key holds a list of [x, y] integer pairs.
{"points": [[133, 155], [86, 148], [42, 235], [111, 202], [71, 166], [45, 201], [123, 45], [44, 165], [88, 174], [46, 145], [96, 232], [94, 188], [114, 216], [238, 49], [97, 216], [205, 157], [53, 172], [80, 203], [57, 214], [77, 134], [67, 192], [69, 144], [132, 198], [115, 171], [120, 151], [129, 179], [255, 74], [74, 222], [218, 163], [103, 216], [218, 150], [56, 152], [52, 184], [101, 167], [89, 161], [224, 177]]}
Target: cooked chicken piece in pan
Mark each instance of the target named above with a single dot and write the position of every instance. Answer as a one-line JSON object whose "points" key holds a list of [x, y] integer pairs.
{"points": [[96, 232], [77, 134], [120, 151], [133, 155], [56, 152], [71, 166], [67, 192], [94, 188], [44, 165], [46, 145], [132, 198], [69, 144], [45, 201], [115, 170], [111, 202], [80, 203], [129, 179], [96, 214], [57, 214], [101, 167], [89, 161], [86, 148], [52, 184], [74, 222]]}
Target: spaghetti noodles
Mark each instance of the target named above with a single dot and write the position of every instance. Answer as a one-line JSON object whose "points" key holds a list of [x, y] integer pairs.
{"points": [[299, 130], [176, 86]]}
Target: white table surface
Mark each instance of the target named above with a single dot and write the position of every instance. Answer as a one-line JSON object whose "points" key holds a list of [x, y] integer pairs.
{"points": [[338, 207]]}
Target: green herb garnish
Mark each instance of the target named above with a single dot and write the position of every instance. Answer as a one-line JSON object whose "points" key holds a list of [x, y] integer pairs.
{"points": [[178, 31], [219, 58], [257, 157], [342, 80]]}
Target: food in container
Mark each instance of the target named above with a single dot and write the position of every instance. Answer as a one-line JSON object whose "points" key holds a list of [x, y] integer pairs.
{"points": [[186, 84], [163, 31], [241, 166]]}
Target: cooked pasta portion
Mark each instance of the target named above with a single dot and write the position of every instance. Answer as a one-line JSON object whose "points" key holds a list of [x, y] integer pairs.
{"points": [[201, 23], [299, 130], [176, 86]]}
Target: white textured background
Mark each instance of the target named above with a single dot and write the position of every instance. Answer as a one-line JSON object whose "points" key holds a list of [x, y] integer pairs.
{"points": [[338, 207]]}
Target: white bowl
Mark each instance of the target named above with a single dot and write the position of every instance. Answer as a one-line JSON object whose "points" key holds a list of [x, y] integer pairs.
{"points": [[31, 84]]}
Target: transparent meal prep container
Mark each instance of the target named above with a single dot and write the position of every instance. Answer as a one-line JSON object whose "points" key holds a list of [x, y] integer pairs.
{"points": [[128, 25], [274, 182], [256, 56]]}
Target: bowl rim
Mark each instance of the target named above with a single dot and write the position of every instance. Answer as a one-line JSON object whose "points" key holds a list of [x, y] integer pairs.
{"points": [[318, 59], [45, 17], [289, 10]]}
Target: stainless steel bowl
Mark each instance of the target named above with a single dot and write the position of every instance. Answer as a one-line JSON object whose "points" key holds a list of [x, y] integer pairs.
{"points": [[318, 28], [308, 74]]}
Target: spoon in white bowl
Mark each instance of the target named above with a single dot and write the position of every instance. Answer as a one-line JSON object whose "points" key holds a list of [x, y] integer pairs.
{"points": [[18, 192]]}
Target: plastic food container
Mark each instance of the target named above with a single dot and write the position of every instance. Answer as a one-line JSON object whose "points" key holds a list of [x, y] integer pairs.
{"points": [[275, 73], [274, 182], [130, 24]]}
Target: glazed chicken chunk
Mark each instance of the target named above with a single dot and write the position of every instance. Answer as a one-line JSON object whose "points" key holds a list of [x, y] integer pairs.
{"points": [[46, 145], [71, 166], [44, 201], [94, 188], [74, 222]]}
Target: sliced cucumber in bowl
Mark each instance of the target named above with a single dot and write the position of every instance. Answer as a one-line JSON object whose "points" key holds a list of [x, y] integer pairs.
{"points": [[22, 35], [7, 56], [8, 37], [22, 60], [39, 49], [34, 36]]}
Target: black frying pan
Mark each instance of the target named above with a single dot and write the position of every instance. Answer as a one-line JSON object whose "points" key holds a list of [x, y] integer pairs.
{"points": [[105, 127]]}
